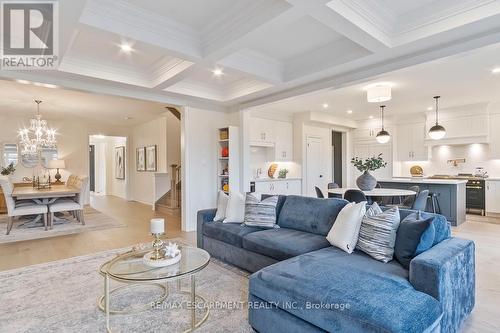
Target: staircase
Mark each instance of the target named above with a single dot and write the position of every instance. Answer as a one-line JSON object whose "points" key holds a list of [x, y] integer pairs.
{"points": [[170, 203]]}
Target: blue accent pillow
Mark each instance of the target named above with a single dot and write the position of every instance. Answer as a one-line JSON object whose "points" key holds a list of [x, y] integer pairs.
{"points": [[416, 234]]}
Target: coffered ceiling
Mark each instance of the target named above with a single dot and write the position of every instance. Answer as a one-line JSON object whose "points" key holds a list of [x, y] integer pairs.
{"points": [[266, 49]]}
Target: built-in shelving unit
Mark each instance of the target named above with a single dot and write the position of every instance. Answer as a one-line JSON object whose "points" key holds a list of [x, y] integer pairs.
{"points": [[228, 170]]}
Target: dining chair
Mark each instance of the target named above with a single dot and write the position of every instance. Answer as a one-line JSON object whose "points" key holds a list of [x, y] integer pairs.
{"points": [[76, 205], [21, 209], [420, 202], [356, 196], [71, 180], [319, 193], [333, 185], [330, 187]]}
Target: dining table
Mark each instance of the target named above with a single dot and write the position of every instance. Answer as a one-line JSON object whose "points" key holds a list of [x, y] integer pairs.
{"points": [[376, 192], [44, 196]]}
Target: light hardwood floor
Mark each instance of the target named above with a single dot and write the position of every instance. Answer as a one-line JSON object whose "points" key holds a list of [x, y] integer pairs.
{"points": [[135, 215], [484, 231]]}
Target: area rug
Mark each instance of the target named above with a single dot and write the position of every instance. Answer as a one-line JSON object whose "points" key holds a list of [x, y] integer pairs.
{"points": [[62, 296], [94, 220]]}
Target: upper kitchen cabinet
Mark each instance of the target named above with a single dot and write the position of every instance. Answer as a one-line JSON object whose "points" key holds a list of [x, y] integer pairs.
{"points": [[277, 135], [464, 125], [367, 131], [262, 131], [410, 142], [495, 136], [284, 141]]}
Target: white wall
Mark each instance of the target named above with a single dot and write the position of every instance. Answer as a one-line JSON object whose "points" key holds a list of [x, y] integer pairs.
{"points": [[151, 133], [72, 139], [199, 160]]}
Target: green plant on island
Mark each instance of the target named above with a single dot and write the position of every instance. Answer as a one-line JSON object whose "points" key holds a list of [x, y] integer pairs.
{"points": [[369, 164]]}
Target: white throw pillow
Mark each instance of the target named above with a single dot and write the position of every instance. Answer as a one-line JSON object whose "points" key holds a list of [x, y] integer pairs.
{"points": [[222, 200], [344, 232], [235, 211]]}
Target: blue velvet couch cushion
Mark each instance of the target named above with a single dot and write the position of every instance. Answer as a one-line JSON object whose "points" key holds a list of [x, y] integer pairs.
{"points": [[340, 292], [441, 225], [231, 233], [283, 243], [415, 235], [310, 214]]}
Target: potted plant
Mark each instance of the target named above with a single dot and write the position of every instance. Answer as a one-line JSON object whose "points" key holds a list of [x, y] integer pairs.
{"points": [[366, 182], [282, 173], [8, 170]]}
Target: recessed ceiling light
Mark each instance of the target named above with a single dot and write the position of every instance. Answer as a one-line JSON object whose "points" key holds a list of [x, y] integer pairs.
{"points": [[349, 111], [325, 105], [371, 117], [125, 47], [218, 72], [496, 70], [23, 81], [430, 108], [127, 118]]}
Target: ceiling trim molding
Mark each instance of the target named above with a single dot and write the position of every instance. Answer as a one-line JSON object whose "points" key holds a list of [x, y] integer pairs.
{"points": [[168, 68], [72, 64]]}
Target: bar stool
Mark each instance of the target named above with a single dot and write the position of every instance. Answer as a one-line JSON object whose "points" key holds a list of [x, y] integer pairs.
{"points": [[433, 197]]}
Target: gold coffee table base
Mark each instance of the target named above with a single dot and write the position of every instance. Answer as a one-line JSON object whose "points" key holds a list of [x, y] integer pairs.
{"points": [[135, 309]]}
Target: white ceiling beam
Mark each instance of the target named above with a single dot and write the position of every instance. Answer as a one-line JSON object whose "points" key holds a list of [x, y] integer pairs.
{"points": [[367, 68], [340, 17], [170, 70]]}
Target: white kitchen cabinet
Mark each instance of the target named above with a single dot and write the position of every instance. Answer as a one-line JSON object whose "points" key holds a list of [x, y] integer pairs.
{"points": [[364, 151], [284, 187], [262, 130], [462, 127], [410, 141], [283, 141], [495, 136], [492, 196], [369, 134]]}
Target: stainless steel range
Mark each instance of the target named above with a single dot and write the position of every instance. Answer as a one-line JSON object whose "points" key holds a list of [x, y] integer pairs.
{"points": [[474, 190]]}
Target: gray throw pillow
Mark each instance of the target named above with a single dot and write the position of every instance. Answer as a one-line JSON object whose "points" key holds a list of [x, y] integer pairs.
{"points": [[377, 235], [260, 213]]}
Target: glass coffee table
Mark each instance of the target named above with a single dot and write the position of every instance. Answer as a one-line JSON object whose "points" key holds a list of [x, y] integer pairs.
{"points": [[129, 268]]}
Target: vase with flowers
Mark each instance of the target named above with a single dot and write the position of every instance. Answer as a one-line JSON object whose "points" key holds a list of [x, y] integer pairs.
{"points": [[366, 182]]}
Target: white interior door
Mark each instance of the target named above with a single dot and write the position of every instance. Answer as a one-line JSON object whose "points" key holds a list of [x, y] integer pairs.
{"points": [[315, 173]]}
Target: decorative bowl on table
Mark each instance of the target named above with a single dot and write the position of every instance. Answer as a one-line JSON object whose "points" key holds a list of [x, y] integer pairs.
{"points": [[170, 255]]}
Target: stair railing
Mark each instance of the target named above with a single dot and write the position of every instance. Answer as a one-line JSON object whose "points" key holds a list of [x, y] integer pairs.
{"points": [[175, 181]]}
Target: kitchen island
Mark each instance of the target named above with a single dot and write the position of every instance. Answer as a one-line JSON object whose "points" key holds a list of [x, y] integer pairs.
{"points": [[450, 194]]}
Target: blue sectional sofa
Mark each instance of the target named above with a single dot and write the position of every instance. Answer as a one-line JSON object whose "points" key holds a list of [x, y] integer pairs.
{"points": [[300, 283]]}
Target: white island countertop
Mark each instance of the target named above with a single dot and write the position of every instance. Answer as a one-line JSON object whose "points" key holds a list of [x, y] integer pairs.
{"points": [[423, 180], [273, 179]]}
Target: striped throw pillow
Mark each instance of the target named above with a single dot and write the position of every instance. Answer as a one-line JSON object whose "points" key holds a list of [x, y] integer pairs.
{"points": [[377, 235], [260, 213]]}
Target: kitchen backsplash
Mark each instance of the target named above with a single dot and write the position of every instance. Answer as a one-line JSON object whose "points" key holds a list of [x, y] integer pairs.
{"points": [[475, 155], [260, 159]]}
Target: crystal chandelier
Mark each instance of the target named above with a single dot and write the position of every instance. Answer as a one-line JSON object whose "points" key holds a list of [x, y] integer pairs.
{"points": [[37, 136]]}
